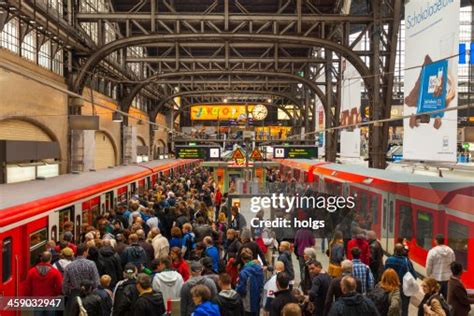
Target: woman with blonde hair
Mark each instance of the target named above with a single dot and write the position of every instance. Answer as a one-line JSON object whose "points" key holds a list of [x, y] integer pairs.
{"points": [[431, 305]]}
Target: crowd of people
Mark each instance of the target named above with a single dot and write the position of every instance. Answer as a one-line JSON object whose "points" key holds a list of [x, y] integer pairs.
{"points": [[177, 249]]}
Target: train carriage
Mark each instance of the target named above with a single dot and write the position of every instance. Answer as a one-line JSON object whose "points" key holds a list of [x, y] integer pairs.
{"points": [[31, 213], [401, 205]]}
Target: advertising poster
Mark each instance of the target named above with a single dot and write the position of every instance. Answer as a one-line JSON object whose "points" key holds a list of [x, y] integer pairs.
{"points": [[431, 46], [350, 106], [320, 125]]}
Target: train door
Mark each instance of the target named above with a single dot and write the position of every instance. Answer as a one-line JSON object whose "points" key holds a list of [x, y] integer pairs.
{"points": [[57, 219], [90, 211], [107, 201], [12, 260], [387, 238], [133, 189], [122, 194]]}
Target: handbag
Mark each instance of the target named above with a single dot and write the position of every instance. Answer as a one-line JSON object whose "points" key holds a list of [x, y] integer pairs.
{"points": [[334, 270], [82, 310]]}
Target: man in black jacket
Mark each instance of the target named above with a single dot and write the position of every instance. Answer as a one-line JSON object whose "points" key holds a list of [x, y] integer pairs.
{"points": [[352, 303], [110, 263], [125, 293], [376, 256], [134, 253], [283, 296], [229, 301], [319, 286], [247, 242], [149, 303]]}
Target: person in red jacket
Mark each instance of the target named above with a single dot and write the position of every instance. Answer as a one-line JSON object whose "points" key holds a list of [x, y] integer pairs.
{"points": [[359, 241], [43, 279], [179, 264]]}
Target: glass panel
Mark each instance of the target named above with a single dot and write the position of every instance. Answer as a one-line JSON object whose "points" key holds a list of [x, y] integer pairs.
{"points": [[457, 240], [406, 222], [6, 259], [37, 241], [64, 216], [85, 217], [374, 205], [95, 211], [424, 230]]}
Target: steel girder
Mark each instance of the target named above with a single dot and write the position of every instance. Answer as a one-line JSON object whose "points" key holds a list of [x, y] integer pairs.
{"points": [[101, 53], [311, 84]]}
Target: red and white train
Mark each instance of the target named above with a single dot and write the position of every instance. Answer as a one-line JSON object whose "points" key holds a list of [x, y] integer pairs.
{"points": [[401, 205], [31, 213]]}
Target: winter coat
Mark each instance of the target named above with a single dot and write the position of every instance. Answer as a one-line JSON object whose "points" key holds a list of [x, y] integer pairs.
{"points": [[213, 253], [187, 304], [256, 252], [125, 295], [136, 255], [285, 257], [43, 280], [353, 304], [376, 259], [161, 246], [206, 309], [232, 248], [169, 283], [282, 298], [149, 304], [110, 264], [363, 245], [318, 292], [91, 304], [105, 299], [250, 286], [182, 268], [230, 303], [457, 297], [438, 262], [335, 292]]}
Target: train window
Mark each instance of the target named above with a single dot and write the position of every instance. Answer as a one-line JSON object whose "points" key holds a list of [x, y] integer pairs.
{"points": [[424, 230], [363, 204], [64, 216], [406, 222], [37, 241], [95, 212], [85, 217], [374, 205], [457, 240], [6, 259]]}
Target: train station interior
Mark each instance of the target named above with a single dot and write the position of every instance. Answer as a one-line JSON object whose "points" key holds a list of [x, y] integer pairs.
{"points": [[283, 130]]}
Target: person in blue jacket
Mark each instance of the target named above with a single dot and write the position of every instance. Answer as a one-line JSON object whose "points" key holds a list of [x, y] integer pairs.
{"points": [[212, 252], [201, 297], [250, 284]]}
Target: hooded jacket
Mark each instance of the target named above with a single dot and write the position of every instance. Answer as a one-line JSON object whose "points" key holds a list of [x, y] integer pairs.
{"points": [[187, 304], [110, 264], [353, 304], [43, 280], [206, 309], [438, 262], [169, 283], [250, 286], [149, 304], [229, 303], [134, 254]]}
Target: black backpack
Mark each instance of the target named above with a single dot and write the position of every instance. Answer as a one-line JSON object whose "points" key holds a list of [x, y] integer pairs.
{"points": [[380, 299]]}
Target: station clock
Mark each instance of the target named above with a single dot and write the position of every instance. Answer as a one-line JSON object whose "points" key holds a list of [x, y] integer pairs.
{"points": [[259, 112]]}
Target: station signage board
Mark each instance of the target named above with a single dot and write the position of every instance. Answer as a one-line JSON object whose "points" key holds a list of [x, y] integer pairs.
{"points": [[295, 152], [201, 152]]}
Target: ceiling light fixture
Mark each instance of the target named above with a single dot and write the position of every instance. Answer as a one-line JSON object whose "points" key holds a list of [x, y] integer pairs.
{"points": [[117, 117]]}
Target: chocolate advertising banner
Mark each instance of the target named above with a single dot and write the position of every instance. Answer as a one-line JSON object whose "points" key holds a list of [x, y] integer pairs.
{"points": [[350, 107], [431, 48]]}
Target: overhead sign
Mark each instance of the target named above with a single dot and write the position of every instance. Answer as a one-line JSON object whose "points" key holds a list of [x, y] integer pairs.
{"points": [[193, 152], [256, 155], [295, 152], [238, 154], [219, 112]]}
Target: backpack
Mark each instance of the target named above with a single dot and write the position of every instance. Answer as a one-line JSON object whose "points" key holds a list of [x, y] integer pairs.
{"points": [[380, 299], [82, 310], [448, 309]]}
